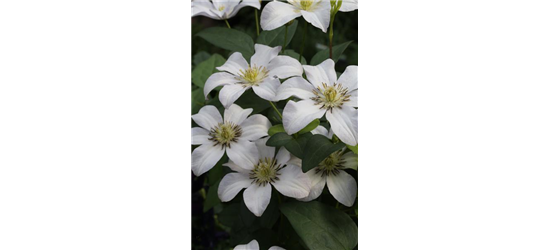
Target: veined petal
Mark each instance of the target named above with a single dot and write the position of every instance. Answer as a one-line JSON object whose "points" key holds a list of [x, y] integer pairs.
{"points": [[297, 115], [349, 78], [202, 8], [207, 117], [292, 182], [264, 150], [344, 122], [349, 5], [205, 157], [231, 184], [296, 86], [252, 3], [257, 198], [236, 114], [253, 245], [320, 16], [284, 67], [317, 185], [243, 153], [263, 55], [218, 79], [236, 168], [276, 14], [267, 89], [234, 64], [199, 136], [343, 187], [322, 73], [351, 161], [255, 127], [230, 93]]}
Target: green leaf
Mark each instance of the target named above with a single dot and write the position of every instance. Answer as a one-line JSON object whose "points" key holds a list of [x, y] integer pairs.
{"points": [[274, 117], [212, 198], [295, 55], [310, 127], [353, 148], [297, 146], [321, 227], [276, 129], [205, 69], [318, 148], [200, 57], [197, 100], [250, 100], [325, 54], [229, 39], [279, 139], [275, 37], [271, 214]]}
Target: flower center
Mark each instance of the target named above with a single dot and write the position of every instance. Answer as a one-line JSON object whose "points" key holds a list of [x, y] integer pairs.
{"points": [[221, 8], [306, 4], [266, 171], [225, 133], [253, 76], [331, 96], [332, 165]]}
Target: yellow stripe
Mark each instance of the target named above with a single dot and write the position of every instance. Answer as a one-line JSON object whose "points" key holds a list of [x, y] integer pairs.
{"points": [[453, 157]]}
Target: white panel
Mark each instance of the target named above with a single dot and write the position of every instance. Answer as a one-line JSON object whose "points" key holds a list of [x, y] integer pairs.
{"points": [[453, 90], [453, 4]]}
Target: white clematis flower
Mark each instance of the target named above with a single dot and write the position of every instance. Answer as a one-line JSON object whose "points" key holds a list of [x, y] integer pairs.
{"points": [[262, 74], [232, 134], [253, 245], [268, 170], [323, 94], [331, 172], [317, 12], [220, 9]]}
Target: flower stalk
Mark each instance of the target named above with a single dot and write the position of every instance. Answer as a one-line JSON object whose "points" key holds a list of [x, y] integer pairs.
{"points": [[227, 22], [336, 5], [303, 41]]}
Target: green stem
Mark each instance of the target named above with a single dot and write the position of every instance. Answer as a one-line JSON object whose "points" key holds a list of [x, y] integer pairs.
{"points": [[257, 22], [303, 41], [276, 109], [227, 22], [285, 38]]}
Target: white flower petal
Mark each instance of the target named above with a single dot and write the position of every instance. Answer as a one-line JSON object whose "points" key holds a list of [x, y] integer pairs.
{"points": [[344, 122], [236, 114], [351, 161], [292, 182], [322, 73], [298, 115], [255, 127], [343, 187], [207, 117], [353, 100], [263, 55], [321, 130], [205, 157], [349, 78], [276, 248], [284, 67], [253, 245], [276, 14], [317, 185], [234, 64], [218, 79], [349, 5], [264, 150], [236, 168], [319, 17], [267, 89], [283, 156], [243, 153], [199, 136], [253, 3], [231, 184], [296, 86], [294, 161], [202, 8], [230, 93], [257, 198]]}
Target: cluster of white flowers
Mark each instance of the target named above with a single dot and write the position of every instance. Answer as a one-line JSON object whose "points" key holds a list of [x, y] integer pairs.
{"points": [[310, 92]]}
